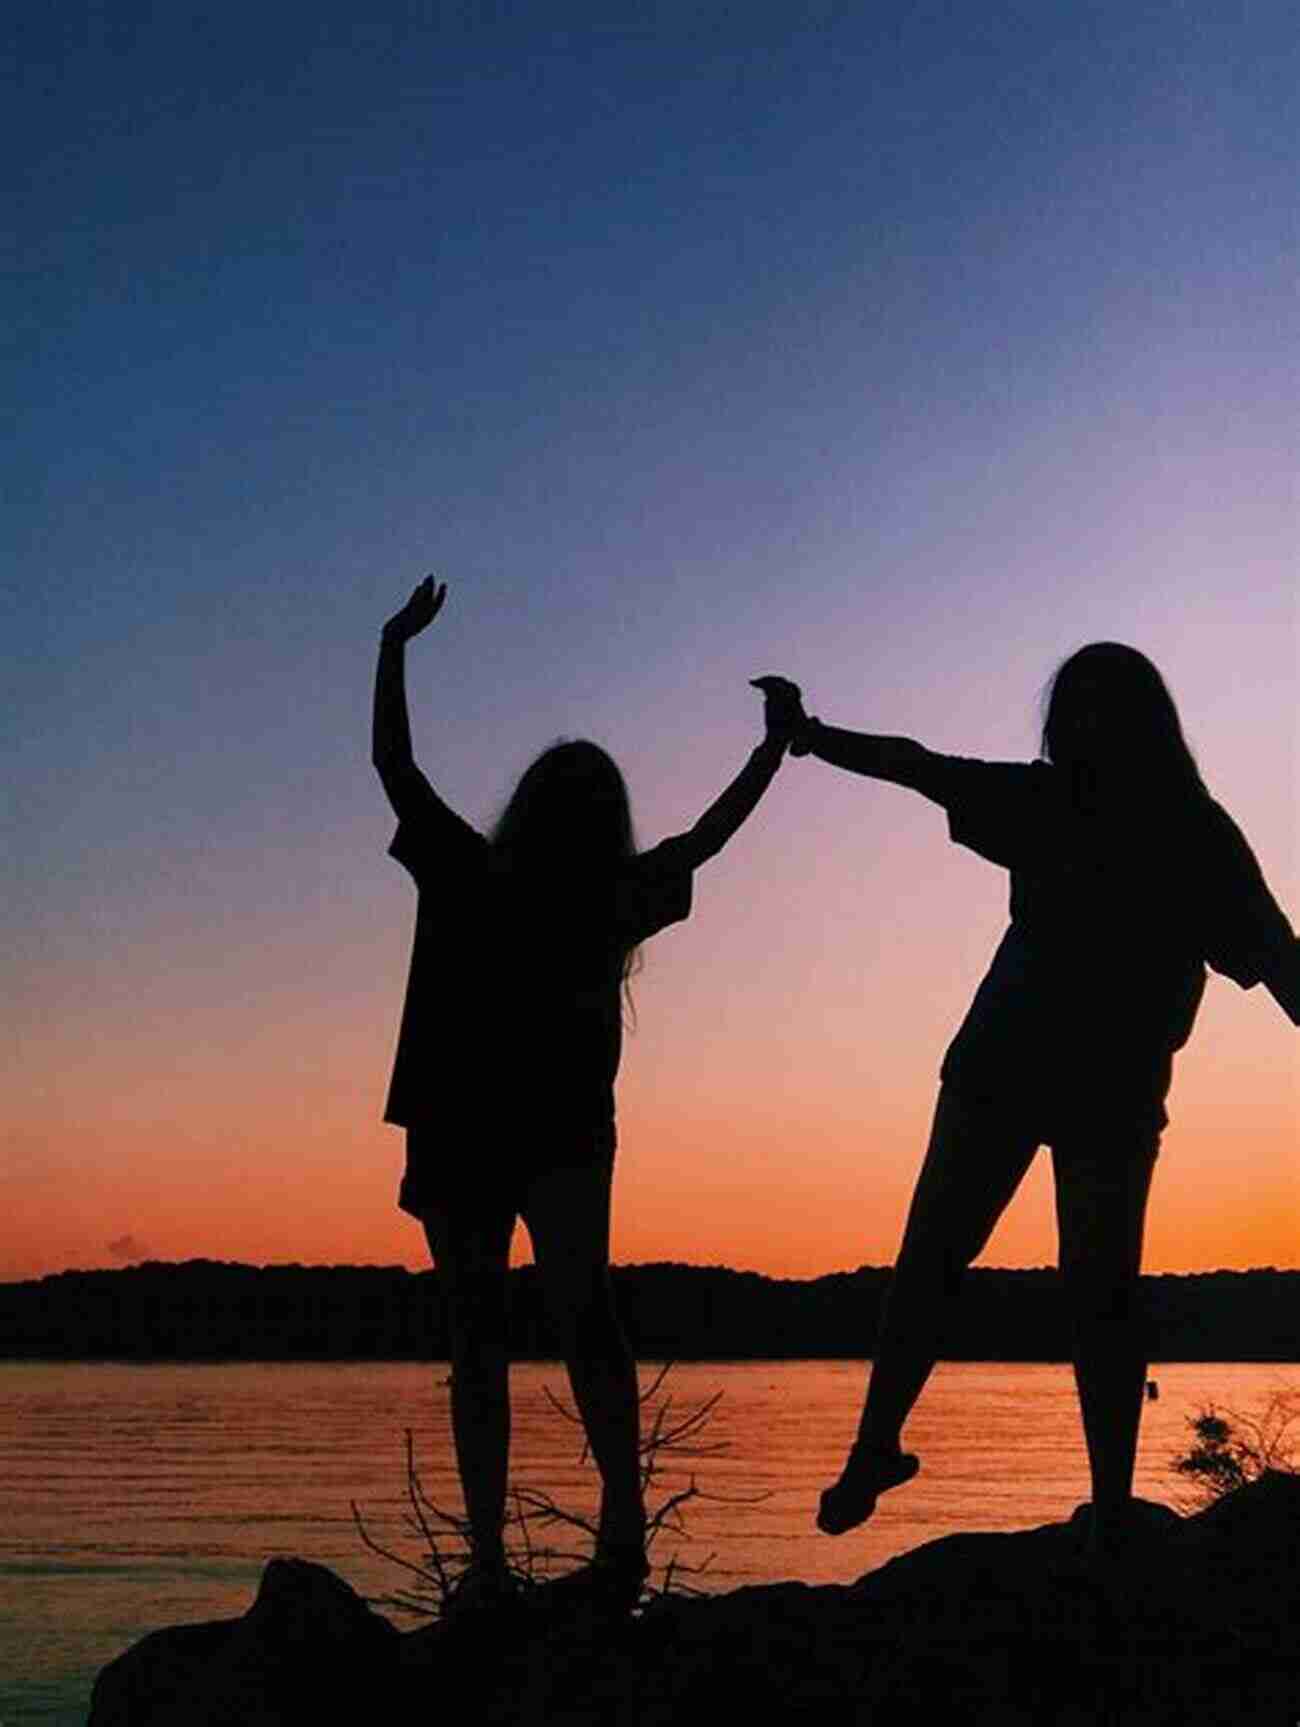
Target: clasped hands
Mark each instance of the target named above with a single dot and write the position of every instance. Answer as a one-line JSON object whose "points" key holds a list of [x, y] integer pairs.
{"points": [[783, 713]]}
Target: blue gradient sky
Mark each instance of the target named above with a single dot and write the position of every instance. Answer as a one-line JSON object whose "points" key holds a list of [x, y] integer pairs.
{"points": [[900, 348]]}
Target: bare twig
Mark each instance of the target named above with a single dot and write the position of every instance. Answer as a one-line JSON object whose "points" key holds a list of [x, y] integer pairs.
{"points": [[668, 1434]]}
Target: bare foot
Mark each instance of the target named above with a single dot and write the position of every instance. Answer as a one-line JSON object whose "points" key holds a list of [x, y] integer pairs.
{"points": [[867, 1474]]}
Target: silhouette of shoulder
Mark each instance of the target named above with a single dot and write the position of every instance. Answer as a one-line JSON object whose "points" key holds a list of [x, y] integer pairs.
{"points": [[1192, 866], [435, 845], [1007, 812], [1248, 936], [653, 890], [432, 841]]}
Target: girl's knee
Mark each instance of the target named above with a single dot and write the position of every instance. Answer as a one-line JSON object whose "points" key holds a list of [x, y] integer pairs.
{"points": [[476, 1331], [1104, 1306], [594, 1333]]}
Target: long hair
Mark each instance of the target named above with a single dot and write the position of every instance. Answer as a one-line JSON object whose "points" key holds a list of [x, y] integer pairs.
{"points": [[570, 816], [1110, 722]]}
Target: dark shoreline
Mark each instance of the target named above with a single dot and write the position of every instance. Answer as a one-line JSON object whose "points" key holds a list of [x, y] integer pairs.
{"points": [[208, 1311], [644, 1361], [1193, 1621]]}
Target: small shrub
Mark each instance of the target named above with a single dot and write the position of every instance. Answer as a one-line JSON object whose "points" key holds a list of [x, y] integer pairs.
{"points": [[1231, 1449]]}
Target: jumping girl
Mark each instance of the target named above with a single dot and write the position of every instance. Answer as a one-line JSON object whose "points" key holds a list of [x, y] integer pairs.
{"points": [[504, 1079], [1127, 878]]}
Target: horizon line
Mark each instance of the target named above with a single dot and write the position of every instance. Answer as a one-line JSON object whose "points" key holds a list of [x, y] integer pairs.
{"points": [[147, 1263]]}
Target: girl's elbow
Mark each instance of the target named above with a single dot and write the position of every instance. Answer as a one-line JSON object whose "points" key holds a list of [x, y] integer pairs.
{"points": [[1282, 981], [386, 753], [696, 846], [395, 774]]}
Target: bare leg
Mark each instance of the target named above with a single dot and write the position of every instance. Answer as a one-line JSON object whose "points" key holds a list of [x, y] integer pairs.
{"points": [[1101, 1200], [973, 1166], [471, 1253], [567, 1213]]}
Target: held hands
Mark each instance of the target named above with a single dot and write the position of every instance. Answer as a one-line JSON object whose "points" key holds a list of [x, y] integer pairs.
{"points": [[419, 611], [783, 712]]}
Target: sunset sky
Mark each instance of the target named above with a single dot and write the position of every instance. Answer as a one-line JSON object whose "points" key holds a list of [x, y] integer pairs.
{"points": [[900, 348]]}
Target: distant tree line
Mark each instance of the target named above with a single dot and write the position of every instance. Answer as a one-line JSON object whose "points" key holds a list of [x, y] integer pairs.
{"points": [[205, 1310]]}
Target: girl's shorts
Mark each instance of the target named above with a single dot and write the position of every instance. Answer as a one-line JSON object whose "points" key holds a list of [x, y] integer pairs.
{"points": [[440, 1174]]}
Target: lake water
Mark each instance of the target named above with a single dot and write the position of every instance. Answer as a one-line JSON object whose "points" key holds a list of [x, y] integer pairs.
{"points": [[138, 1496]]}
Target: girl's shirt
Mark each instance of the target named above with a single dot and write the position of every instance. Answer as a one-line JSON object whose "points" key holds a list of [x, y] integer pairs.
{"points": [[1097, 981], [513, 1009]]}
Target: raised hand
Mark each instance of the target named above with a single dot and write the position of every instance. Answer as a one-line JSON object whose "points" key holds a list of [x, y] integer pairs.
{"points": [[419, 611], [783, 712]]}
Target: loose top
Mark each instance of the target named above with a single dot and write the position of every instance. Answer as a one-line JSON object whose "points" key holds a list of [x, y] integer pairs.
{"points": [[1097, 981], [512, 1019]]}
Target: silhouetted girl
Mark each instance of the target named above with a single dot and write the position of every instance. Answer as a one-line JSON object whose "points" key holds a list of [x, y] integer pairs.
{"points": [[504, 1078], [1126, 879]]}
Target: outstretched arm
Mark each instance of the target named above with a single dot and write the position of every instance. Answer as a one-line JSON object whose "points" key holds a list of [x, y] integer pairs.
{"points": [[410, 794], [902, 761], [729, 811], [782, 714], [390, 745]]}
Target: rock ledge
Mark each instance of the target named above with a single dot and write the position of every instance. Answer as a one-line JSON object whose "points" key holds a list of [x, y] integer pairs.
{"points": [[1003, 1630]]}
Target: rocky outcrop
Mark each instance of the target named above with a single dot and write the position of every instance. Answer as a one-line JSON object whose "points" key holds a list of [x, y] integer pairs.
{"points": [[308, 1649], [1196, 1623]]}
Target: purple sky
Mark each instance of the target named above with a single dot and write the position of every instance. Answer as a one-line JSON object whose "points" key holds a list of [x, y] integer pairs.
{"points": [[899, 348]]}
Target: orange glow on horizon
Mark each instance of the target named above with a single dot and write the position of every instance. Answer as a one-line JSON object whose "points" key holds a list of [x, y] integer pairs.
{"points": [[214, 1099]]}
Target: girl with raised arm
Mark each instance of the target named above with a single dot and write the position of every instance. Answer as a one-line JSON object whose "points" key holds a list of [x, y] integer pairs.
{"points": [[504, 1079], [1127, 878]]}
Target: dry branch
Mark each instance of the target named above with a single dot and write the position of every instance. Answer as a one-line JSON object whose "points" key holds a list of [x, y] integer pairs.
{"points": [[669, 1435]]}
